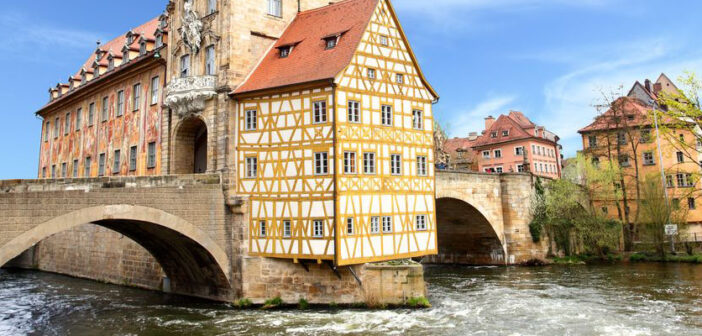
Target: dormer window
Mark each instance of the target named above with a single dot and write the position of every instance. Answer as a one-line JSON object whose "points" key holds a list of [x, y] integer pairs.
{"points": [[383, 40], [159, 41], [142, 48], [110, 63], [331, 42], [96, 70], [493, 135], [505, 133], [70, 84], [130, 38], [83, 78], [125, 56], [285, 51]]}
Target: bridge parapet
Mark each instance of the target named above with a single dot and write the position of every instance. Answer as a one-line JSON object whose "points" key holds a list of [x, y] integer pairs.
{"points": [[88, 184]]}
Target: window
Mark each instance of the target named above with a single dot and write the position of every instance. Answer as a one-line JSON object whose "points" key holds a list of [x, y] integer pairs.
{"points": [[116, 162], [136, 97], [331, 42], [318, 229], [386, 115], [621, 138], [287, 229], [87, 167], [684, 180], [596, 162], [53, 171], [251, 120], [605, 210], [505, 133], [354, 111], [91, 114], [262, 228], [75, 168], [105, 109], [624, 161], [421, 222], [486, 154], [79, 118], [142, 49], [520, 168], [110, 63], [400, 78], [320, 112], [387, 224], [43, 172], [275, 8], [669, 181], [645, 136], [493, 135], [67, 126], [682, 138], [375, 225], [349, 226], [371, 73], [519, 151], [64, 170], [321, 163], [285, 51], [691, 203], [395, 164], [648, 159], [680, 157], [211, 6], [251, 167], [210, 60], [422, 165], [498, 170], [154, 90], [417, 122], [185, 66], [133, 158], [630, 117], [151, 156], [159, 41], [46, 130], [349, 163], [498, 153], [369, 163], [383, 40], [101, 165], [120, 103]]}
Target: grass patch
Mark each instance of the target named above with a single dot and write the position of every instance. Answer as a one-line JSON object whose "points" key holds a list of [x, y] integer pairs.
{"points": [[418, 302], [244, 303], [650, 257], [582, 259], [272, 303], [303, 304]]}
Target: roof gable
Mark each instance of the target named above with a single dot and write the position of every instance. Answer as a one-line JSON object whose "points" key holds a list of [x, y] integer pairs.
{"points": [[504, 123], [309, 60]]}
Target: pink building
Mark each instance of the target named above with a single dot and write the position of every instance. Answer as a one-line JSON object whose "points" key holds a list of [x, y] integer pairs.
{"points": [[513, 144]]}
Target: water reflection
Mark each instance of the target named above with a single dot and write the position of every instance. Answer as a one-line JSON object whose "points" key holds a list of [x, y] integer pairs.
{"points": [[640, 299]]}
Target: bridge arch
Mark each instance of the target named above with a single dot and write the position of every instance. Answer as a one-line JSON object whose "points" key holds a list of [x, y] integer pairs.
{"points": [[466, 235], [194, 262]]}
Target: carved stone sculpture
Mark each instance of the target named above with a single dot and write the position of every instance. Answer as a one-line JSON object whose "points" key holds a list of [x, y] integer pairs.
{"points": [[188, 95], [440, 156], [191, 30]]}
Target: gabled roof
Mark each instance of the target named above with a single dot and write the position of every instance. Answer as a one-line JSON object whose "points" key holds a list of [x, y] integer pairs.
{"points": [[309, 61], [624, 106], [514, 124]]}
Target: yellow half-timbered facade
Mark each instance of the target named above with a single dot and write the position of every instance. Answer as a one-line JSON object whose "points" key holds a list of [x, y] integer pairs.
{"points": [[336, 153]]}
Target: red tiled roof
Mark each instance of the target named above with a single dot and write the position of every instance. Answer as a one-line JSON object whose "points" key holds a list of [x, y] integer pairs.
{"points": [[309, 61], [624, 106], [521, 119], [455, 144], [504, 123]]}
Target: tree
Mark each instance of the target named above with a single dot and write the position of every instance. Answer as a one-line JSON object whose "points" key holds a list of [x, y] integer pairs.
{"points": [[657, 212]]}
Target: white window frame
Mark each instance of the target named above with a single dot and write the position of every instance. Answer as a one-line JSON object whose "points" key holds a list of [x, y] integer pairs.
{"points": [[210, 60], [86, 169], [211, 6], [387, 224], [422, 165], [354, 111], [155, 81], [497, 153], [349, 226], [386, 115], [400, 78], [519, 150], [350, 162], [375, 225], [79, 118], [499, 170], [395, 164], [275, 8], [120, 103], [251, 169], [117, 162], [418, 119], [486, 154], [133, 153], [384, 41], [151, 155], [262, 229], [520, 168], [136, 96], [287, 228], [251, 120], [371, 73], [321, 163], [185, 66], [318, 228], [369, 163], [101, 164], [421, 222], [105, 112], [319, 112]]}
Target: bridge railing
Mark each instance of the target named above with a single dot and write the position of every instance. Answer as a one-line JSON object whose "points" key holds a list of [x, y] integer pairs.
{"points": [[86, 184]]}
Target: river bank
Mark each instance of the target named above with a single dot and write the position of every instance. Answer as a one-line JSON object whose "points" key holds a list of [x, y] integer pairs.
{"points": [[636, 257]]}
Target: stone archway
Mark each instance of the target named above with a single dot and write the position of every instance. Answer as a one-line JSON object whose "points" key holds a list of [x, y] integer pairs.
{"points": [[465, 235], [190, 147], [194, 262]]}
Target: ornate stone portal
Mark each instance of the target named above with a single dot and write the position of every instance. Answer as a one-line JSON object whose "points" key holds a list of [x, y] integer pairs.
{"points": [[188, 95]]}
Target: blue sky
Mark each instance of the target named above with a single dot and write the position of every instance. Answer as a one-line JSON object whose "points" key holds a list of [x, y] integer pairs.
{"points": [[547, 58]]}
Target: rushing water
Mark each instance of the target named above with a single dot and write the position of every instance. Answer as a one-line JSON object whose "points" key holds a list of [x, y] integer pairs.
{"points": [[639, 299]]}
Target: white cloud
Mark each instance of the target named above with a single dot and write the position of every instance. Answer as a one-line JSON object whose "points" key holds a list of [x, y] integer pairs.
{"points": [[473, 119]]}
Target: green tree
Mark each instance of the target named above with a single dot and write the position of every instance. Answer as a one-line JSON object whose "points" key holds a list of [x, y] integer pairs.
{"points": [[657, 211]]}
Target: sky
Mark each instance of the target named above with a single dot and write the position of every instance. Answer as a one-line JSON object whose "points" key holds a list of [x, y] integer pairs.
{"points": [[550, 59]]}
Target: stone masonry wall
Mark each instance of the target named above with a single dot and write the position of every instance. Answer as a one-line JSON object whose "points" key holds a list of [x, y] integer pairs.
{"points": [[517, 192]]}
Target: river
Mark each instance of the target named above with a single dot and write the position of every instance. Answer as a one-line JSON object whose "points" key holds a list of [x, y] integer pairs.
{"points": [[637, 299]]}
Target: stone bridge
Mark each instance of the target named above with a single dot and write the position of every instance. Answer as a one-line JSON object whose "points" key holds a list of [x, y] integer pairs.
{"points": [[187, 239], [483, 219]]}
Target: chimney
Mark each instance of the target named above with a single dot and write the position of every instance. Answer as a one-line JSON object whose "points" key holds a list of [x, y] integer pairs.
{"points": [[488, 122], [647, 85]]}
